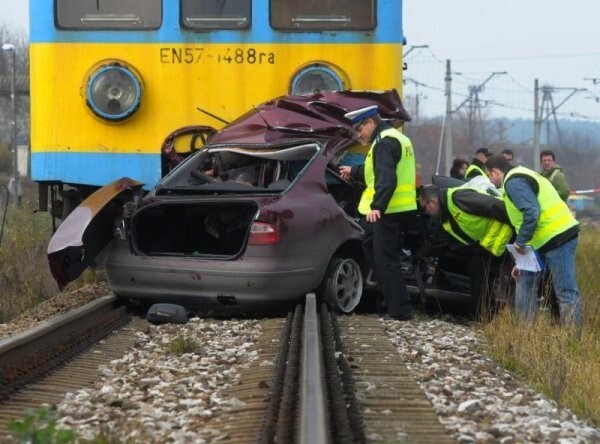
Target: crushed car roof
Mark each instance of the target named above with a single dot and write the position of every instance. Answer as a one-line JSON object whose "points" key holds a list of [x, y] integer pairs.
{"points": [[291, 118]]}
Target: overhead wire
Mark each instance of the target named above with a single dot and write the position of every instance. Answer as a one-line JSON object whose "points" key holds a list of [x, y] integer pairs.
{"points": [[504, 91]]}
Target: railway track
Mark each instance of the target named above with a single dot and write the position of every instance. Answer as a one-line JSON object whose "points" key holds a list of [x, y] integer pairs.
{"points": [[338, 381], [28, 356], [38, 366], [330, 380]]}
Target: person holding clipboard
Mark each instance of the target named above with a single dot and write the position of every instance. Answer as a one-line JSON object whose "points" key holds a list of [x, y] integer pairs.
{"points": [[542, 221]]}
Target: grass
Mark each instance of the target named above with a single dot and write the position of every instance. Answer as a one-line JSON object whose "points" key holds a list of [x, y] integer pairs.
{"points": [[39, 426], [25, 278], [556, 360], [183, 344]]}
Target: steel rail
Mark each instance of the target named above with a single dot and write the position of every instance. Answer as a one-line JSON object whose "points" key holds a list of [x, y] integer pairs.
{"points": [[313, 415], [30, 355]]}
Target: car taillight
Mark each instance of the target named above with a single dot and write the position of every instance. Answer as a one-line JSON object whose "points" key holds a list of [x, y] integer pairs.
{"points": [[262, 233]]}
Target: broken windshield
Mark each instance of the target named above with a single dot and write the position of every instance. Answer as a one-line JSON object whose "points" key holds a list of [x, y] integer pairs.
{"points": [[240, 169]]}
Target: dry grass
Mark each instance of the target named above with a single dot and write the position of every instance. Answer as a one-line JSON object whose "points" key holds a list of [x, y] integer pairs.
{"points": [[25, 278], [556, 360]]}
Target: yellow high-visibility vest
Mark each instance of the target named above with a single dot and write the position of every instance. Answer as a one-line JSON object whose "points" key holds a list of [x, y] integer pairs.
{"points": [[405, 194], [490, 234], [555, 216]]}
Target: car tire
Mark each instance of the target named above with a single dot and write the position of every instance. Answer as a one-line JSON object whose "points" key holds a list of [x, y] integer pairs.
{"points": [[343, 285]]}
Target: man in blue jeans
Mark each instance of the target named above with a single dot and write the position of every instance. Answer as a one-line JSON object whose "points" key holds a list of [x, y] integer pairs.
{"points": [[543, 221]]}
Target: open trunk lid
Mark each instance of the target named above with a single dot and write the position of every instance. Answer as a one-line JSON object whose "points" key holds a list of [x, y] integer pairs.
{"points": [[87, 230]]}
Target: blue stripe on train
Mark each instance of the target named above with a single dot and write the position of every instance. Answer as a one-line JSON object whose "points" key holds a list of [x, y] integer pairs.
{"points": [[95, 168], [41, 12]]}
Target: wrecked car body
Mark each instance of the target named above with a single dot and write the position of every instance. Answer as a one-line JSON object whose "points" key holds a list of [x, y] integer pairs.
{"points": [[259, 215]]}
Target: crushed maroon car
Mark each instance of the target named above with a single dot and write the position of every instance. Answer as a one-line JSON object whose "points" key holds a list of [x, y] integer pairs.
{"points": [[258, 215]]}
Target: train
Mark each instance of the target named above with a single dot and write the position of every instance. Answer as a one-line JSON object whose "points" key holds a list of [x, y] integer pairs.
{"points": [[116, 84]]}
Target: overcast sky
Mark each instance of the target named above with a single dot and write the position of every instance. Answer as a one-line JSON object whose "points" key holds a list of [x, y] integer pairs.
{"points": [[15, 13], [556, 41]]}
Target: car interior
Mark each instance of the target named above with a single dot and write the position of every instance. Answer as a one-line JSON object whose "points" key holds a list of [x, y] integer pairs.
{"points": [[255, 170]]}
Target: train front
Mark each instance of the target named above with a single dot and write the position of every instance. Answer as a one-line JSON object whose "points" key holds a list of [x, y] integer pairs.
{"points": [[111, 79]]}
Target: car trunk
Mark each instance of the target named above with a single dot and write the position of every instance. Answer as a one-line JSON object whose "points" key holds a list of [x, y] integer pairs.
{"points": [[193, 229]]}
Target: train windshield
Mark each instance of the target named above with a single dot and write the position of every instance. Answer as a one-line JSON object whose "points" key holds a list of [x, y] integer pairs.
{"points": [[108, 14], [215, 14], [323, 15]]}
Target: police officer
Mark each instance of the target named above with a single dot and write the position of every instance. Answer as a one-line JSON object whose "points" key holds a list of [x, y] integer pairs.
{"points": [[389, 174], [543, 221], [476, 220], [477, 166]]}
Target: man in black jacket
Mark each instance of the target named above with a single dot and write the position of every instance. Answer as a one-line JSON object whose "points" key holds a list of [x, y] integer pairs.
{"points": [[477, 167], [389, 174], [478, 221]]}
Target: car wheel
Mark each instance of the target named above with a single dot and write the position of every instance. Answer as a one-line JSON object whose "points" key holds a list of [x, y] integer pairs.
{"points": [[343, 284]]}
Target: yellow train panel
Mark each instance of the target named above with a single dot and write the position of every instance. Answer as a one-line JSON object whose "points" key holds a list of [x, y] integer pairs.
{"points": [[176, 80]]}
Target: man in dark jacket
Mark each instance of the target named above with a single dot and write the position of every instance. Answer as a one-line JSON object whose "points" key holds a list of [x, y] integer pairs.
{"points": [[477, 167], [554, 173], [478, 221], [389, 173]]}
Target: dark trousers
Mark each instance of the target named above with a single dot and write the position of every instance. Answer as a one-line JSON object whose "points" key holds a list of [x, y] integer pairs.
{"points": [[381, 245], [480, 282], [485, 277]]}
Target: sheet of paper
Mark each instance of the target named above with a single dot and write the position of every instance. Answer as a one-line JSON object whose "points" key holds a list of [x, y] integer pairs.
{"points": [[528, 261]]}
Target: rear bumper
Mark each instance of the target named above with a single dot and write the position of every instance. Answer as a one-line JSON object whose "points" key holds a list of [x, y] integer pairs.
{"points": [[243, 282]]}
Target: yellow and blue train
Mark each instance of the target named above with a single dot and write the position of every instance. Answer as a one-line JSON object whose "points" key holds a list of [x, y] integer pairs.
{"points": [[110, 79]]}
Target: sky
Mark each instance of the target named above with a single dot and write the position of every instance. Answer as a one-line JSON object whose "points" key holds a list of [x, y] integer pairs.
{"points": [[555, 41], [15, 13]]}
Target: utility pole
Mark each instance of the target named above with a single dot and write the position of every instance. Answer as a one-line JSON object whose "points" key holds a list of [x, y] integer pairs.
{"points": [[412, 48], [472, 98], [418, 95], [543, 112], [537, 125], [474, 102], [9, 48], [448, 132]]}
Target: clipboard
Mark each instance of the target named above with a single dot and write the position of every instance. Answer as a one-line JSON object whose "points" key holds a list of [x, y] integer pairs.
{"points": [[530, 261]]}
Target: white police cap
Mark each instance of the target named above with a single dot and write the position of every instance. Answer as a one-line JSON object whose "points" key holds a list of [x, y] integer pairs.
{"points": [[356, 117]]}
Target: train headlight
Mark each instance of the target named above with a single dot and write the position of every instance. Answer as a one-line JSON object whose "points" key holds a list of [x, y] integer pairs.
{"points": [[114, 92], [316, 78]]}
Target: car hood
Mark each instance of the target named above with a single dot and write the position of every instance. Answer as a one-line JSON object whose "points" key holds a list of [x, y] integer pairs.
{"points": [[291, 119]]}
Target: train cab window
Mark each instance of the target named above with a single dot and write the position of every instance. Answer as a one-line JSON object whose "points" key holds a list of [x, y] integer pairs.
{"points": [[108, 14], [323, 15], [215, 14]]}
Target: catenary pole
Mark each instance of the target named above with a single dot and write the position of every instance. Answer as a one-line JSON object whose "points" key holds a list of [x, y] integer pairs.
{"points": [[448, 122], [537, 125]]}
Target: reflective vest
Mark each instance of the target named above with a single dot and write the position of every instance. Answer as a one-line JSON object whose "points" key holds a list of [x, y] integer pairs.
{"points": [[473, 167], [490, 234], [555, 216], [405, 194]]}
